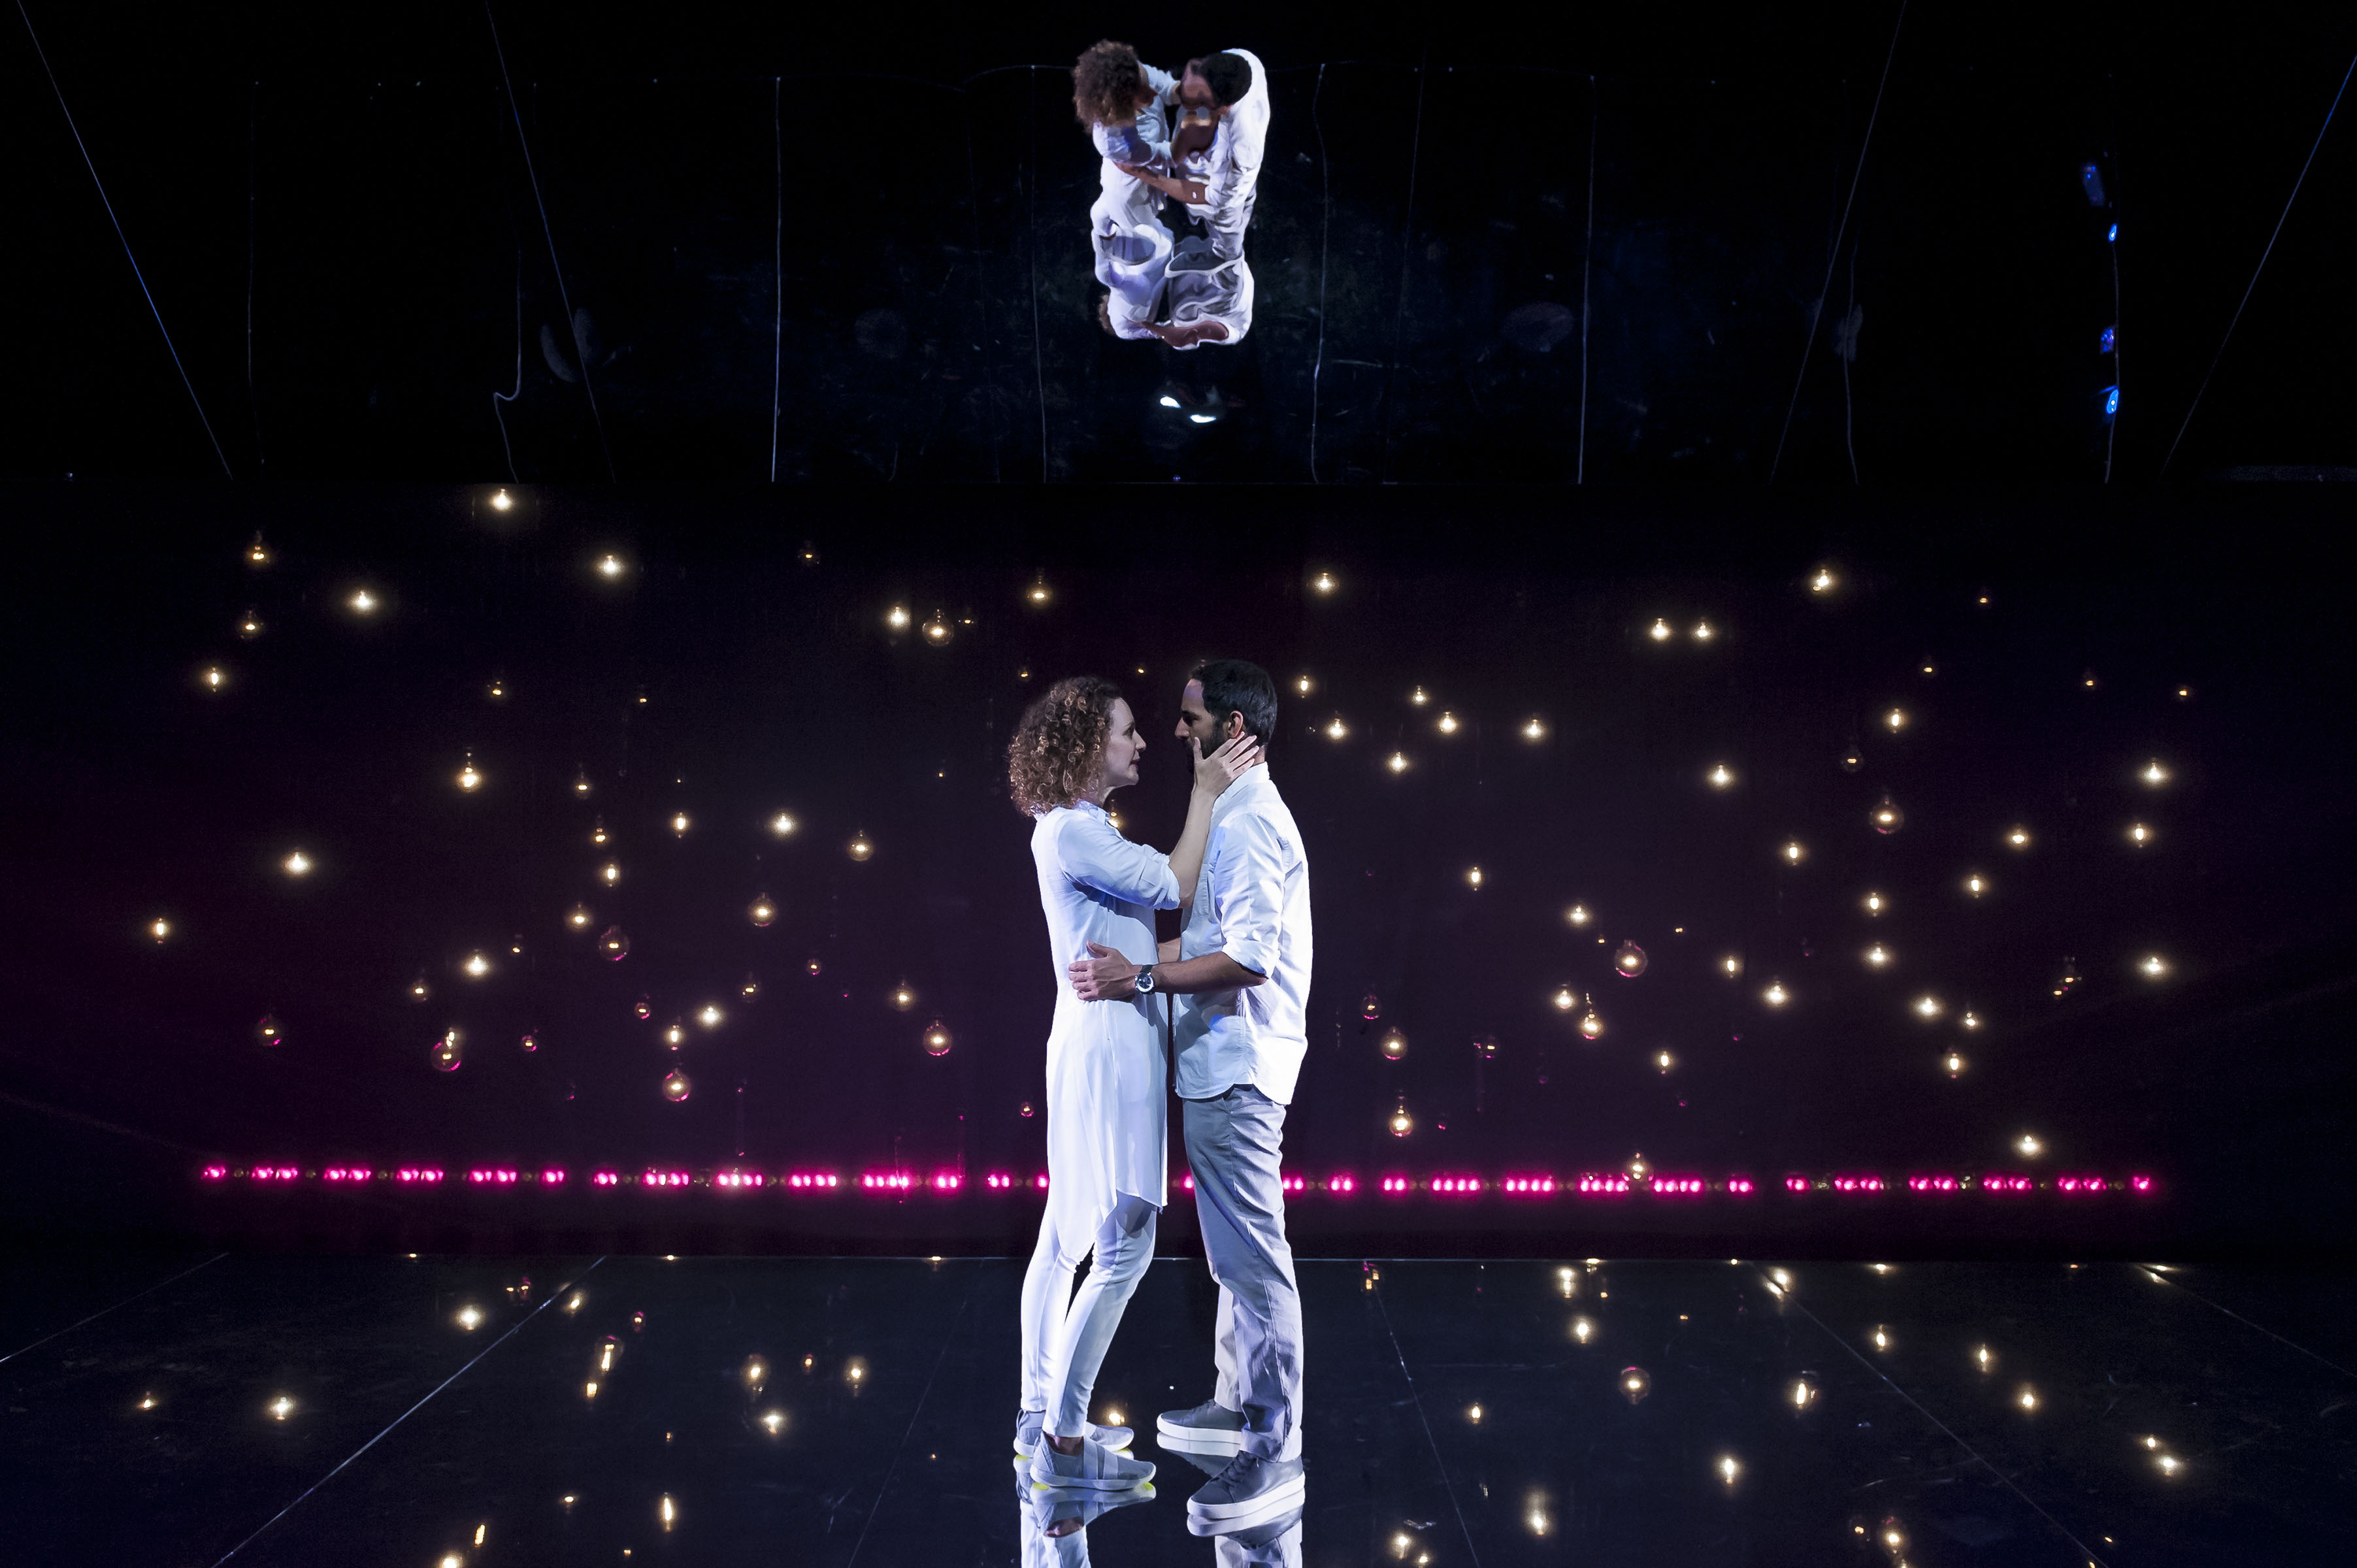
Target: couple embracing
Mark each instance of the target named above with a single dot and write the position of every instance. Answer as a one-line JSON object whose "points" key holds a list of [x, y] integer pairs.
{"points": [[1230, 991]]}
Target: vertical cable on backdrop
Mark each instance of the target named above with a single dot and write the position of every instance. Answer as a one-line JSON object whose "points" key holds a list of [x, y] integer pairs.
{"points": [[1407, 251], [2262, 266], [580, 351], [1325, 227], [1817, 309], [1587, 266], [777, 341], [111, 218], [1031, 248]]}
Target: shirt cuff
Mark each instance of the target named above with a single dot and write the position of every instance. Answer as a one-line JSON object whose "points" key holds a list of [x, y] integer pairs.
{"points": [[1258, 957]]}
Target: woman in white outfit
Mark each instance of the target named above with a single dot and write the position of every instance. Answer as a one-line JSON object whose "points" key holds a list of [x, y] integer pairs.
{"points": [[1125, 106], [1107, 1161]]}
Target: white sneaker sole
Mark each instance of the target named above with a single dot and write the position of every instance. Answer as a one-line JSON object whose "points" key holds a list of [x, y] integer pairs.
{"points": [[1099, 1483], [1226, 1518], [1198, 1439], [1027, 1452]]}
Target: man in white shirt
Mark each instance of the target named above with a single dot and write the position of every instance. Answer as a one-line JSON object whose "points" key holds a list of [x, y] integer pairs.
{"points": [[1239, 989], [1219, 186]]}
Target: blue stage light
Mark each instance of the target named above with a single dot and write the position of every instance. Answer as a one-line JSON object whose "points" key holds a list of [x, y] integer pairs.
{"points": [[2108, 339], [2111, 401], [2091, 178]]}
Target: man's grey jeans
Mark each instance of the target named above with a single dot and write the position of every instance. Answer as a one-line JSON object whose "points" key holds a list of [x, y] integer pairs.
{"points": [[1233, 1141]]}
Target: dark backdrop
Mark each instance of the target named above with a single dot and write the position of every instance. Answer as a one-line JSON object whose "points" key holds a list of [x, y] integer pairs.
{"points": [[742, 664]]}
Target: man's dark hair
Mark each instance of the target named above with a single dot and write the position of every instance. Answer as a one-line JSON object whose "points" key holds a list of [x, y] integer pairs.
{"points": [[1232, 686], [1228, 76]]}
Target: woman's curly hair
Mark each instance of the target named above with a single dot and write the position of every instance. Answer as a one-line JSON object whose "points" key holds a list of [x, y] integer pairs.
{"points": [[1107, 84], [1057, 752]]}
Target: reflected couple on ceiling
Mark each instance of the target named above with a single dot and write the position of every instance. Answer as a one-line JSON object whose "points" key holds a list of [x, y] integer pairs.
{"points": [[1179, 171]]}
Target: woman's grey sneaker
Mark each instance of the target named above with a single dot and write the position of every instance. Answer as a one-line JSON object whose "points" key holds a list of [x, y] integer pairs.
{"points": [[1096, 1468], [1026, 1433], [1250, 1491], [1208, 1428]]}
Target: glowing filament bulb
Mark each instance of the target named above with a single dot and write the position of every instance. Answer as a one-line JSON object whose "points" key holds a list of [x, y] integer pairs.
{"points": [[1794, 851], [281, 1407], [1704, 631], [1398, 764], [1927, 1006], [363, 601], [1895, 720], [160, 929], [937, 630], [1983, 1357], [251, 627], [148, 1401], [2152, 966], [1823, 583], [1038, 591], [762, 912], [781, 825], [469, 1319], [501, 501], [1728, 1470], [2018, 837], [1565, 1001], [2028, 1146], [1448, 723], [1720, 776], [298, 863], [2029, 1398], [1591, 1026], [1877, 955], [898, 618], [1661, 632], [1335, 730], [1969, 1021], [670, 1511], [1663, 1062], [1402, 1123], [1731, 965], [1886, 817], [937, 1040], [1417, 697], [2169, 1463], [1533, 730], [1474, 876], [904, 998], [1955, 1064], [2154, 773], [478, 965], [1801, 1394], [1474, 1415], [1881, 1339], [709, 1017], [1324, 583], [257, 553], [1582, 1330], [610, 566], [2140, 834], [1775, 996], [215, 678], [1975, 884], [1302, 685], [1628, 961], [1577, 915], [1635, 1383], [860, 848]]}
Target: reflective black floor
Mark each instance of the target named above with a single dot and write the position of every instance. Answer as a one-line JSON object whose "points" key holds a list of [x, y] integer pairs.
{"points": [[464, 1412]]}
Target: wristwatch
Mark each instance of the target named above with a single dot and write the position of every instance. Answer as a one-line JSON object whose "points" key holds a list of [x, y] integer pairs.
{"points": [[1144, 980]]}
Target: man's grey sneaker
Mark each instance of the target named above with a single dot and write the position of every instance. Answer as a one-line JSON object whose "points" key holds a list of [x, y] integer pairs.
{"points": [[1026, 1433], [1096, 1468], [1250, 1491], [1208, 1428]]}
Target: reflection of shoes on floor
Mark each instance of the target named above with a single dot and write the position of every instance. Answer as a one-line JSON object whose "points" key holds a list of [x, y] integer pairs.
{"points": [[1026, 1433], [1250, 1491], [1275, 1544], [1096, 1468], [1210, 1428], [1052, 1506]]}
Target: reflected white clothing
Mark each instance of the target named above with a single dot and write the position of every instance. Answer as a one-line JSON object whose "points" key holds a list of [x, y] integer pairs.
{"points": [[1251, 903], [1223, 295], [1146, 140], [1130, 245], [1230, 170], [1105, 1062]]}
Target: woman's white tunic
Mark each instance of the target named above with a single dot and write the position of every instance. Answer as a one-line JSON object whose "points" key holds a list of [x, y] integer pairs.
{"points": [[1106, 1062]]}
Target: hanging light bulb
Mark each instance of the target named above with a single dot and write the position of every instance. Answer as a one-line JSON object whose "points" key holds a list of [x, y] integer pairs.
{"points": [[2140, 834], [362, 602], [675, 1034], [1591, 1025], [1628, 961], [1637, 1170], [1635, 1384], [1577, 915], [676, 1086], [1417, 697], [1895, 720], [1878, 956], [2028, 1146], [417, 989], [1955, 1064], [610, 873], [859, 848], [1886, 817], [2152, 966], [781, 825], [1473, 878], [1447, 723], [1875, 903], [1731, 965], [937, 1040], [1720, 776], [257, 553], [212, 678], [1664, 1060], [1704, 631], [1775, 996], [1849, 760], [298, 863], [1659, 631], [609, 567], [1486, 1048], [1927, 1007], [762, 911], [598, 833], [1969, 1021], [498, 690], [531, 1041], [1534, 728], [159, 928], [1398, 764], [1394, 1044], [903, 998], [447, 1051], [249, 627], [752, 986], [709, 1014], [1335, 729], [2154, 774], [1794, 851], [1037, 592], [613, 944], [938, 630], [643, 1009], [477, 965], [1323, 583], [2017, 836], [1564, 1000], [581, 782], [813, 967], [269, 1032], [1371, 1006], [897, 619], [679, 823], [579, 917], [1975, 884], [1400, 1123], [1301, 685]]}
